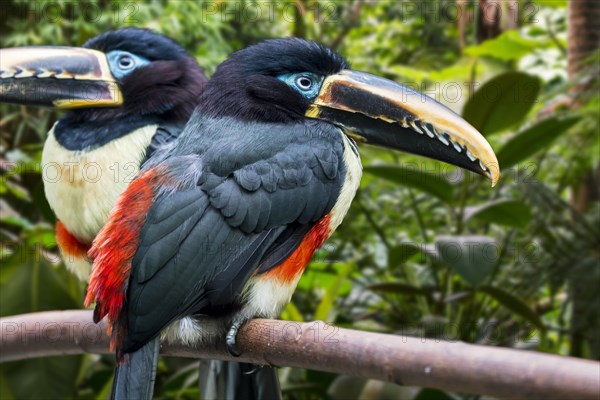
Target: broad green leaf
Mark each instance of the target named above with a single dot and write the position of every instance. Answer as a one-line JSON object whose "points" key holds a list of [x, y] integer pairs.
{"points": [[43, 378], [510, 45], [106, 389], [401, 253], [291, 313], [502, 102], [331, 293], [35, 286], [9, 263], [410, 73], [40, 235], [472, 257], [550, 3], [417, 75], [533, 139], [430, 183], [502, 212], [398, 288], [514, 304], [321, 275]]}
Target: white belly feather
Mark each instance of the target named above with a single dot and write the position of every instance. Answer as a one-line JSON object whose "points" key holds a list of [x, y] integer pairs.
{"points": [[350, 187], [82, 186]]}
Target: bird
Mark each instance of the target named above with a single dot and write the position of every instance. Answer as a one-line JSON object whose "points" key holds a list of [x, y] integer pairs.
{"points": [[217, 228], [127, 92]]}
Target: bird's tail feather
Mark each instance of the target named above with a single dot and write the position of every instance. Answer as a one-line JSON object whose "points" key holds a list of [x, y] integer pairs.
{"points": [[134, 377], [237, 381]]}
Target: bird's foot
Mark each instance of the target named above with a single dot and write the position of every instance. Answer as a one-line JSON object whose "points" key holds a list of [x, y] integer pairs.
{"points": [[230, 338], [255, 369]]}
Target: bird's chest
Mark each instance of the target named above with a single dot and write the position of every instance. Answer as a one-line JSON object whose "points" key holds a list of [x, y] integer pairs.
{"points": [[352, 178], [267, 294], [82, 186]]}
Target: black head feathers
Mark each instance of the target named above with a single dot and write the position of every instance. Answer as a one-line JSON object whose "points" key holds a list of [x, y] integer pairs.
{"points": [[143, 42], [246, 85], [279, 56], [168, 87]]}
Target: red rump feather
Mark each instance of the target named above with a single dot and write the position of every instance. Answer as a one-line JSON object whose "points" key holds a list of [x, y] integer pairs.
{"points": [[69, 245], [295, 264], [112, 252]]}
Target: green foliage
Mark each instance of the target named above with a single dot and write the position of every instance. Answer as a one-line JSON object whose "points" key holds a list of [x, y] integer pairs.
{"points": [[514, 304], [509, 46], [425, 250], [513, 213], [468, 256], [325, 310], [502, 102], [35, 286], [44, 378], [430, 183], [533, 139]]}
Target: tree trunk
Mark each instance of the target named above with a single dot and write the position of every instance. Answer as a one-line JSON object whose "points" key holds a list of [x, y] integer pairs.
{"points": [[488, 23], [492, 17], [584, 39], [584, 32]]}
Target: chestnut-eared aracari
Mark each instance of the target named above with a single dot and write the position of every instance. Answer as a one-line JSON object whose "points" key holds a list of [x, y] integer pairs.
{"points": [[126, 92], [218, 228]]}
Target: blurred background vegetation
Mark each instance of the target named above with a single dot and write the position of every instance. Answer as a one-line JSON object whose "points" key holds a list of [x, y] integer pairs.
{"points": [[426, 250]]}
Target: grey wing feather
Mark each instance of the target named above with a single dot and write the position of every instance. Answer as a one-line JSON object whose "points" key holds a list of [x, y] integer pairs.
{"points": [[200, 245], [164, 134]]}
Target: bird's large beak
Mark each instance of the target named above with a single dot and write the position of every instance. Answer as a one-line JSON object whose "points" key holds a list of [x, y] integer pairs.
{"points": [[61, 77], [381, 112]]}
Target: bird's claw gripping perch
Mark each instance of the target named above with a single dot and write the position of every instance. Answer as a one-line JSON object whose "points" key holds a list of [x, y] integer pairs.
{"points": [[230, 338]]}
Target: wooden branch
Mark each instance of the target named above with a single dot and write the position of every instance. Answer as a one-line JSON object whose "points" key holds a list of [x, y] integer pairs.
{"points": [[405, 360]]}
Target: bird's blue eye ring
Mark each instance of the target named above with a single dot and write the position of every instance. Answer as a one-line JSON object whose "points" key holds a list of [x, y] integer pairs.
{"points": [[304, 82], [123, 63], [307, 84], [126, 62]]}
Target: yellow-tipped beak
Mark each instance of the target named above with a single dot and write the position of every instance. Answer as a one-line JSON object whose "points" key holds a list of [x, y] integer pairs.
{"points": [[61, 77], [385, 113]]}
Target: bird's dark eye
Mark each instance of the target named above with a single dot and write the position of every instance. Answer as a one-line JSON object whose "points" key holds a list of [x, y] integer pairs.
{"points": [[304, 82], [126, 62]]}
